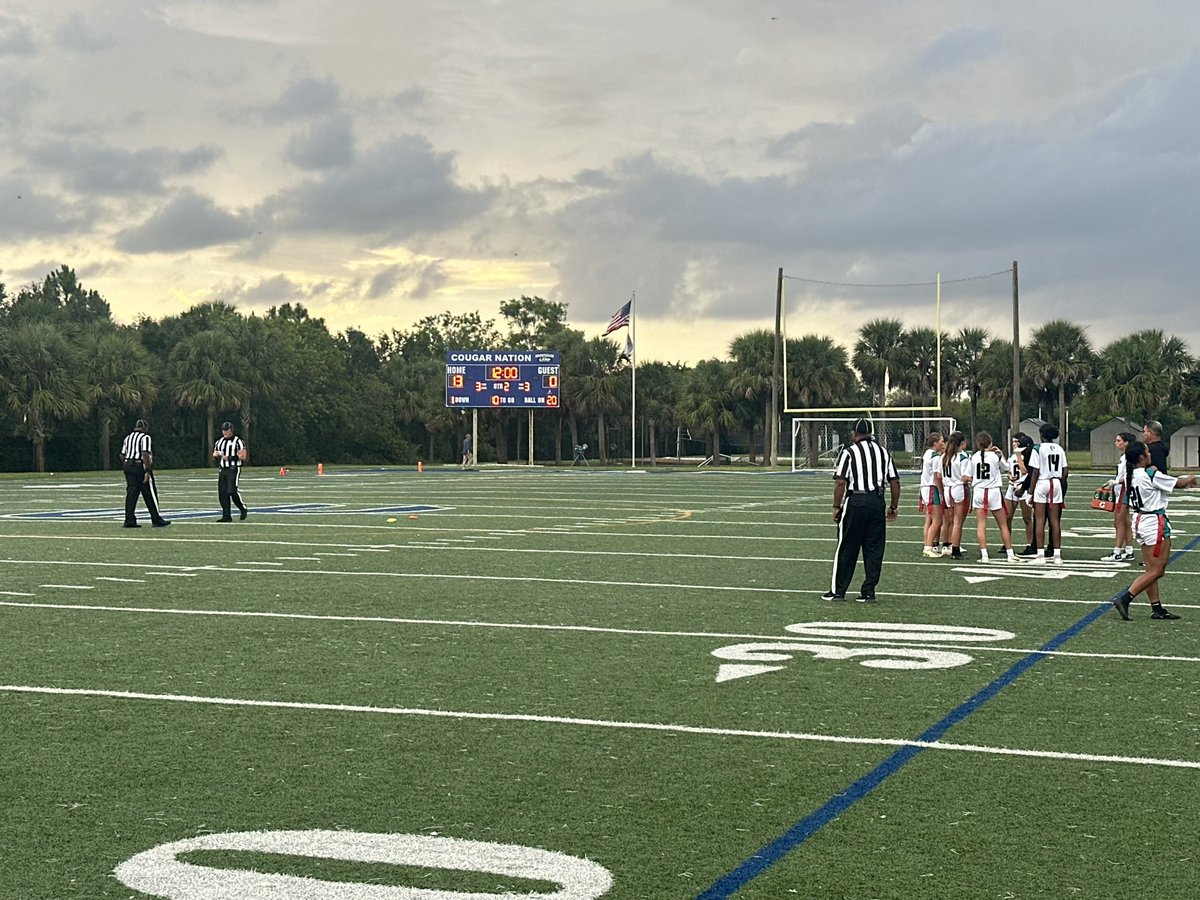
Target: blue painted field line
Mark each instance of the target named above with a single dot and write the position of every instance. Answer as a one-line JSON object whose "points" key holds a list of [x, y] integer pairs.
{"points": [[732, 882]]}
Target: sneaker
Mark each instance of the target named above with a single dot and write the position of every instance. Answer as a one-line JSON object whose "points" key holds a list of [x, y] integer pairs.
{"points": [[225, 519], [866, 597], [1037, 559], [1128, 554], [983, 558], [956, 554], [930, 553], [830, 595], [242, 515], [1056, 559], [1160, 612], [1122, 604], [162, 523], [1028, 552], [131, 525], [945, 551], [1115, 556]]}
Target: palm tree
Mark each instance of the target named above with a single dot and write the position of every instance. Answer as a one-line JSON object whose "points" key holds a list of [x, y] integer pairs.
{"points": [[754, 359], [966, 365], [882, 356], [201, 369], [261, 366], [598, 391], [818, 374], [1140, 373], [1060, 357], [709, 403], [120, 377], [41, 372], [658, 390]]}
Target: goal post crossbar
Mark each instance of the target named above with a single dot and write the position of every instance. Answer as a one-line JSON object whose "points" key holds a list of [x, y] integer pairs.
{"points": [[816, 440]]}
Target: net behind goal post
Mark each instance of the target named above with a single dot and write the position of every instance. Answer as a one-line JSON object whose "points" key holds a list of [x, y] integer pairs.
{"points": [[816, 440]]}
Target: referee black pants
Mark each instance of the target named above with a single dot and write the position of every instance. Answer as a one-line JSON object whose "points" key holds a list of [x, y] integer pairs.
{"points": [[227, 490], [861, 529], [140, 483]]}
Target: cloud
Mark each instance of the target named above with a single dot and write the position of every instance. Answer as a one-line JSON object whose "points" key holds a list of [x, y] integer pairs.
{"points": [[187, 222], [305, 98], [399, 188], [417, 281], [323, 145], [16, 38], [76, 33], [98, 169]]}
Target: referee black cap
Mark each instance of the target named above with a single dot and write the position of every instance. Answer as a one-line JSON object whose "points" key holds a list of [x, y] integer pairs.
{"points": [[862, 426], [227, 426]]}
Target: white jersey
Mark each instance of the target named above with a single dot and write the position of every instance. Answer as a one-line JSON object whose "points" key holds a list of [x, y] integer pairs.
{"points": [[958, 467], [1050, 460], [931, 463], [987, 468], [1149, 490]]}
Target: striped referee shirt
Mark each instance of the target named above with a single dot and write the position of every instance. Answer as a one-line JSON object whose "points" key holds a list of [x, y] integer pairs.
{"points": [[865, 467], [229, 448], [136, 443]]}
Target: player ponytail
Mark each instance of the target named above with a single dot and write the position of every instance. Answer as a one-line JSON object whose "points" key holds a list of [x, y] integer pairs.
{"points": [[1133, 456], [954, 443]]}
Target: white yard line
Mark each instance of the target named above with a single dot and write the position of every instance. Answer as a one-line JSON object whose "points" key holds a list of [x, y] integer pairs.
{"points": [[602, 723], [781, 637]]}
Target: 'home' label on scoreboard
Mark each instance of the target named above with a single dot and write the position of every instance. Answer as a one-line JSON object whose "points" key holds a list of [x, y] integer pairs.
{"points": [[502, 378]]}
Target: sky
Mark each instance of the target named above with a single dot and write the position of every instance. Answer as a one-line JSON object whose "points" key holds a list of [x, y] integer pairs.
{"points": [[380, 161]]}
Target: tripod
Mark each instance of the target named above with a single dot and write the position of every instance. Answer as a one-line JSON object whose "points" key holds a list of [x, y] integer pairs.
{"points": [[580, 456]]}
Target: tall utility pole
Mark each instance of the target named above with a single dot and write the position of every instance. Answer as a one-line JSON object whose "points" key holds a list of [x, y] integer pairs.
{"points": [[1016, 378], [774, 436]]}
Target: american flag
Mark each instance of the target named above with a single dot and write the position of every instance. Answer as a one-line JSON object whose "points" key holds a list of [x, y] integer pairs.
{"points": [[620, 319]]}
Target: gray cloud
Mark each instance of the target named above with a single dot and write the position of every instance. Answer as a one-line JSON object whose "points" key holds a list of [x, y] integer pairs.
{"points": [[325, 144], [78, 33], [98, 169], [188, 222], [398, 188], [16, 38], [305, 98]]}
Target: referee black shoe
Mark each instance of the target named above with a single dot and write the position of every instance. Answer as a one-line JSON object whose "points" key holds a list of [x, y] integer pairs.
{"points": [[162, 523], [242, 515], [225, 519], [830, 595], [131, 525], [866, 597]]}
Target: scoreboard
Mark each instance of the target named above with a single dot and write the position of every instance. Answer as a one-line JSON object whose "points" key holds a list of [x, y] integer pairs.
{"points": [[523, 379]]}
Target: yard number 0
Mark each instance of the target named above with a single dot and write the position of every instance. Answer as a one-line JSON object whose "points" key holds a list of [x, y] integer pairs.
{"points": [[160, 873]]}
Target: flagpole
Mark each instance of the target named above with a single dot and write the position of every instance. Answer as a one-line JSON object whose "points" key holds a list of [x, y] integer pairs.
{"points": [[633, 382]]}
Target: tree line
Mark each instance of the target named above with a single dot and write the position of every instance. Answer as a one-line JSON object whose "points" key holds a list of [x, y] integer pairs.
{"points": [[74, 380]]}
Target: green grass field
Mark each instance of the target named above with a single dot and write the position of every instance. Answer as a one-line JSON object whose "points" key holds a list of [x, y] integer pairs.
{"points": [[574, 685]]}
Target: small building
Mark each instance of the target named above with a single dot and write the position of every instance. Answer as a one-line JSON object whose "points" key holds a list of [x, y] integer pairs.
{"points": [[1185, 448], [1032, 427], [1103, 437]]}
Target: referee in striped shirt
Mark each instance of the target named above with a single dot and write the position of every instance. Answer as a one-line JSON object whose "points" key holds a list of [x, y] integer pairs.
{"points": [[863, 469], [230, 451], [137, 462]]}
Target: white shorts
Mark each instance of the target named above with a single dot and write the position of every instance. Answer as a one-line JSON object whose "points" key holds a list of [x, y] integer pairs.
{"points": [[1151, 529], [955, 495], [985, 498], [1048, 490], [930, 496], [1010, 494]]}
